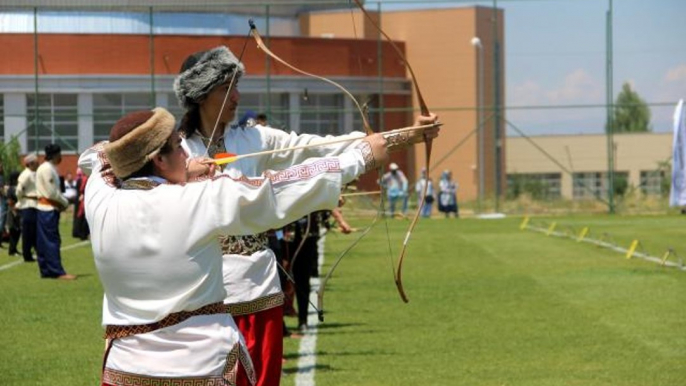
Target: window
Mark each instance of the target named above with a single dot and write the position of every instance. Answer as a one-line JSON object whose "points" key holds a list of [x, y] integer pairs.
{"points": [[652, 182], [52, 118], [276, 107], [595, 184], [322, 114], [108, 108], [537, 185]]}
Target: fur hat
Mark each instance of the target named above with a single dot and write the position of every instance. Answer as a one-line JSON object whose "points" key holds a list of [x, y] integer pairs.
{"points": [[203, 71], [136, 138]]}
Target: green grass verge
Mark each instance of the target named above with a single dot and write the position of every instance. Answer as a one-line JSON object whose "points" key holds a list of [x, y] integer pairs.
{"points": [[492, 305], [489, 305]]}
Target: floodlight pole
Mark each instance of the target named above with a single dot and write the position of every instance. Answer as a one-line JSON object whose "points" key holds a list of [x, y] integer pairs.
{"points": [[153, 98], [476, 42], [497, 140], [36, 110], [610, 112]]}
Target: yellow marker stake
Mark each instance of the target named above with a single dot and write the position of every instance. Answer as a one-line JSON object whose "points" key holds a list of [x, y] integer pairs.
{"points": [[524, 223], [551, 228], [632, 249], [665, 256], [583, 234]]}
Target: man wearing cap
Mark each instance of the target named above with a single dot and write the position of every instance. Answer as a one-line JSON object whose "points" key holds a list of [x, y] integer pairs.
{"points": [[50, 203], [206, 89], [395, 183], [27, 201], [156, 246]]}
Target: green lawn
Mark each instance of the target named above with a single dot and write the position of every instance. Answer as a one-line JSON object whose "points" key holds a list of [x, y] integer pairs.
{"points": [[489, 305], [492, 305]]}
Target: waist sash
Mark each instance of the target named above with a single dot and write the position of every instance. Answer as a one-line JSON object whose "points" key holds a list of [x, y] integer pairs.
{"points": [[116, 331]]}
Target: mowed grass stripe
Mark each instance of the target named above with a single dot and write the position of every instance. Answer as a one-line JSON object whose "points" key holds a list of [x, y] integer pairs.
{"points": [[51, 331], [489, 305], [486, 310]]}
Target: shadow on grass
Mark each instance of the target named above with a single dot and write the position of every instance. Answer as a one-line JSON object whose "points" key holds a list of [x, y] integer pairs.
{"points": [[327, 326], [290, 370], [320, 353]]}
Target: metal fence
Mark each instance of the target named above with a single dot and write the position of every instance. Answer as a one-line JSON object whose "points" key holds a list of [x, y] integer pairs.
{"points": [[565, 62]]}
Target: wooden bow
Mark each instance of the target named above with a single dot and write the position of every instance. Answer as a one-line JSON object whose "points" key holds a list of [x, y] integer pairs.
{"points": [[368, 130], [427, 141]]}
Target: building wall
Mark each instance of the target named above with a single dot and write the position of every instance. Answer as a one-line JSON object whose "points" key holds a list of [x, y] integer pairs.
{"points": [[86, 65], [445, 64], [588, 153], [80, 54]]}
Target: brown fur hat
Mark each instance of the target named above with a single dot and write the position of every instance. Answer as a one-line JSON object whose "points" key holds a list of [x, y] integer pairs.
{"points": [[137, 138]]}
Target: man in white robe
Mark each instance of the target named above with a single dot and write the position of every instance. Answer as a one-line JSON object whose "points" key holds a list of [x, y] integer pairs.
{"points": [[156, 249]]}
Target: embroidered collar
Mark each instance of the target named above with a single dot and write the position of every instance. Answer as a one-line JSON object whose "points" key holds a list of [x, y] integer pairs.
{"points": [[143, 183]]}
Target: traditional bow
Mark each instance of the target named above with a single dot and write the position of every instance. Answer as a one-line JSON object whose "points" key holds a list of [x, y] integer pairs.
{"points": [[427, 141], [425, 111]]}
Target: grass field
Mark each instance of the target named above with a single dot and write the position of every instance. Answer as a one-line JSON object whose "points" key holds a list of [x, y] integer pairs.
{"points": [[489, 305]]}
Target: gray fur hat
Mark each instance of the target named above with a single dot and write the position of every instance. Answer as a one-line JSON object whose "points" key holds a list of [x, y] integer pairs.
{"points": [[203, 71]]}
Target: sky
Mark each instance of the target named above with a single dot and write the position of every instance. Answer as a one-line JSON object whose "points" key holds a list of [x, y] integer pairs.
{"points": [[556, 55]]}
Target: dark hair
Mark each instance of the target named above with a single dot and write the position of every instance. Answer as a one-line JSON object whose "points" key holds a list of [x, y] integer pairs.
{"points": [[51, 151], [190, 121]]}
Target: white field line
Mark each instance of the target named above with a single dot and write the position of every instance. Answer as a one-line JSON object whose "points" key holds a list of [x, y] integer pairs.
{"points": [[611, 246], [66, 248], [307, 352]]}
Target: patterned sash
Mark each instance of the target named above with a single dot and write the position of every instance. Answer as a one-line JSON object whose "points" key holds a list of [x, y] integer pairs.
{"points": [[115, 332]]}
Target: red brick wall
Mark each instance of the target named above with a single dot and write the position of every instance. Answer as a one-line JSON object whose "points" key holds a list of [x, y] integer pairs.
{"points": [[82, 54]]}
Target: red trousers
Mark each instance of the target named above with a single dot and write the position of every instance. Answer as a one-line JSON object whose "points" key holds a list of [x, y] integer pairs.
{"points": [[263, 333]]}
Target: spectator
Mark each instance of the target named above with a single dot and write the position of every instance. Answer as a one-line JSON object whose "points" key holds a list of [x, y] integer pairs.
{"points": [[27, 202], [70, 191], [50, 203], [395, 184], [80, 228], [429, 199], [447, 196], [3, 205], [261, 119], [13, 223]]}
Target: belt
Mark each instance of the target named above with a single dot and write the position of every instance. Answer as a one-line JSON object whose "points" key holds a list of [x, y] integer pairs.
{"points": [[116, 331], [244, 245], [47, 201]]}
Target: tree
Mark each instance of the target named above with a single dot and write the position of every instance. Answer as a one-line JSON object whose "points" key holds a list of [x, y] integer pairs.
{"points": [[631, 113], [9, 157]]}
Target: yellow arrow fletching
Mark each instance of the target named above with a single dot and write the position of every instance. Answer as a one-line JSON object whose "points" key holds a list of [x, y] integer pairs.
{"points": [[224, 158]]}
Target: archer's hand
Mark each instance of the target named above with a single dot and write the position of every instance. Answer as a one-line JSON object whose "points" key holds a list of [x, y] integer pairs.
{"points": [[404, 139], [199, 167], [345, 228], [427, 120]]}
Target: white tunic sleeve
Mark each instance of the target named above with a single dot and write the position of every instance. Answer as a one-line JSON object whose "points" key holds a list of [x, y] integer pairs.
{"points": [[238, 206], [250, 205], [277, 139]]}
